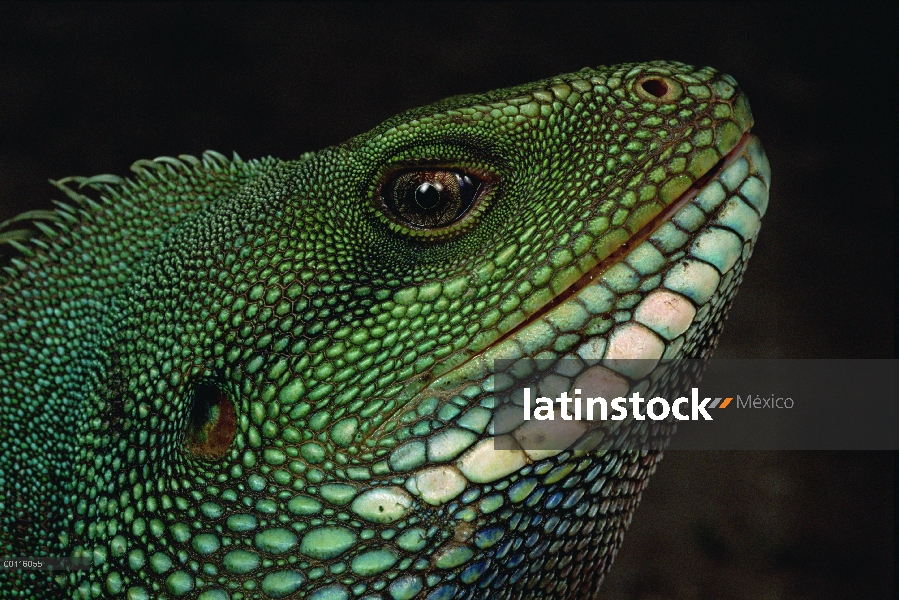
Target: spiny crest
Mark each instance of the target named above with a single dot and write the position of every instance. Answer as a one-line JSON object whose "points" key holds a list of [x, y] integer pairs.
{"points": [[27, 233]]}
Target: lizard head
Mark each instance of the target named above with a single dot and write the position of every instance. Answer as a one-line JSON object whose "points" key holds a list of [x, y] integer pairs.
{"points": [[304, 369]]}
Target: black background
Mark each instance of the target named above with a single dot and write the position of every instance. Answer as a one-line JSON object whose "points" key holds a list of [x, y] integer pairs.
{"points": [[87, 89]]}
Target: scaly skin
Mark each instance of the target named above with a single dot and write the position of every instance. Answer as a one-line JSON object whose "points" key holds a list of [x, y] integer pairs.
{"points": [[230, 379]]}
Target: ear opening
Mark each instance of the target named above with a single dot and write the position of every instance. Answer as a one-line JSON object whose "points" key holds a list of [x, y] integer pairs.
{"points": [[212, 423]]}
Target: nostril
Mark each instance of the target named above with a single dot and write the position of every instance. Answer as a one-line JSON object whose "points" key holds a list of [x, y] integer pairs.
{"points": [[655, 87], [212, 422]]}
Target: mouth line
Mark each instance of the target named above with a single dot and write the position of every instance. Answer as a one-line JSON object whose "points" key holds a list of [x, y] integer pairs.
{"points": [[635, 240]]}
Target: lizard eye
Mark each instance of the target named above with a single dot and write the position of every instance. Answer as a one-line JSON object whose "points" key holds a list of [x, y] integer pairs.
{"points": [[430, 199]]}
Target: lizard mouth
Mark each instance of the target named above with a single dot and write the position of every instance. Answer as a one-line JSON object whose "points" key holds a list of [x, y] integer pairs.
{"points": [[656, 297], [639, 237]]}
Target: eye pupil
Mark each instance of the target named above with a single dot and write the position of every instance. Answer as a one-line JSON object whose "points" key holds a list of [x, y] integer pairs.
{"points": [[427, 196]]}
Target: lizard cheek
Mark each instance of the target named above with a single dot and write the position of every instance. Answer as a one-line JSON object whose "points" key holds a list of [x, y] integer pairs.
{"points": [[212, 422]]}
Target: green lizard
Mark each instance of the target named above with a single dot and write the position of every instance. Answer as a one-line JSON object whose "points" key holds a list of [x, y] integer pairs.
{"points": [[268, 379]]}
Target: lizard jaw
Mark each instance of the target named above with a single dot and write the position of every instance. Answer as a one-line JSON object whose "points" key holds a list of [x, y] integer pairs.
{"points": [[693, 255]]}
